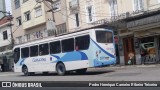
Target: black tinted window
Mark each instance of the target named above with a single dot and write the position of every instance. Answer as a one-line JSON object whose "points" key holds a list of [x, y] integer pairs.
{"points": [[104, 37], [34, 51], [68, 45], [25, 52], [43, 49], [16, 55], [55, 47], [82, 42]]}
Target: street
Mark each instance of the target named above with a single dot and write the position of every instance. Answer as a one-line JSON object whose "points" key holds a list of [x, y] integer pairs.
{"points": [[112, 73]]}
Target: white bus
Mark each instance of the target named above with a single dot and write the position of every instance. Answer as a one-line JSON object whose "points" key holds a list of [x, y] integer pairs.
{"points": [[75, 51]]}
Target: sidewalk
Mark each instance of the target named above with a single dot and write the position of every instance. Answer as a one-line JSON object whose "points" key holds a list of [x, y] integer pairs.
{"points": [[144, 65]]}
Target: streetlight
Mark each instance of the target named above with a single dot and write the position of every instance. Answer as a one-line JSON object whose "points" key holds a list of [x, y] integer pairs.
{"points": [[10, 19]]}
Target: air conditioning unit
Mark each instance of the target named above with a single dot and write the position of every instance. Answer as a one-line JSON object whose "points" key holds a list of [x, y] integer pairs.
{"points": [[73, 4]]}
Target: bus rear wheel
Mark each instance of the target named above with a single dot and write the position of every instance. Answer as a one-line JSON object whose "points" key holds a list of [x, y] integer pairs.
{"points": [[60, 68]]}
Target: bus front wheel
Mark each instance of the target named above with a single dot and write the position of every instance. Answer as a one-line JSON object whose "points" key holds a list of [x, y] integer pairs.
{"points": [[25, 71], [60, 68]]}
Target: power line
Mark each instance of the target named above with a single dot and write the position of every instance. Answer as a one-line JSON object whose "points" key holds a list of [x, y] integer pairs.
{"points": [[94, 4], [69, 17], [84, 13], [64, 14], [24, 21]]}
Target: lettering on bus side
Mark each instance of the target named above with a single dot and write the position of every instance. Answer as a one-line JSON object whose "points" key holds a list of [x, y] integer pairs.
{"points": [[39, 59]]}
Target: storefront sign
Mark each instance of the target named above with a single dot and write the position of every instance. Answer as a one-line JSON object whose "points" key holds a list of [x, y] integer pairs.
{"points": [[144, 21], [118, 17]]}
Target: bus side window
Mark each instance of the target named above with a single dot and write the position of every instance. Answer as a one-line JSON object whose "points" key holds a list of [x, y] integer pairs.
{"points": [[82, 42], [55, 47], [43, 49], [25, 52], [68, 45], [16, 55], [34, 51]]}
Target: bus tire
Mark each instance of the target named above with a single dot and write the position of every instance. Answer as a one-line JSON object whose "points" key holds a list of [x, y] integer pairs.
{"points": [[60, 68], [81, 71], [25, 71]]}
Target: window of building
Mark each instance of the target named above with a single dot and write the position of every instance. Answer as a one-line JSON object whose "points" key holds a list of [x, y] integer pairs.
{"points": [[104, 37], [28, 37], [25, 1], [16, 55], [138, 5], [61, 28], [43, 49], [34, 51], [57, 5], [19, 21], [25, 52], [55, 47], [90, 13], [5, 36], [19, 39], [68, 45], [113, 7], [77, 19], [38, 11], [27, 16], [82, 42], [17, 3]]}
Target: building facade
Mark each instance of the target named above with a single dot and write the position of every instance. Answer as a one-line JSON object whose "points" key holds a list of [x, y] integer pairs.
{"points": [[2, 8], [37, 20], [6, 59]]}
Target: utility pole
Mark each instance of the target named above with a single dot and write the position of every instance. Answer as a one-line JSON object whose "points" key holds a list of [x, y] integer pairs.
{"points": [[51, 9], [10, 25]]}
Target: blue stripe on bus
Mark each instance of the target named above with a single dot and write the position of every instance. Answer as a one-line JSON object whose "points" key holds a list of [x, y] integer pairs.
{"points": [[57, 57], [72, 56], [104, 50], [22, 62]]}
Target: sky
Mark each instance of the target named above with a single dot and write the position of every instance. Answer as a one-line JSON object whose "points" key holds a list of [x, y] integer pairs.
{"points": [[8, 5]]}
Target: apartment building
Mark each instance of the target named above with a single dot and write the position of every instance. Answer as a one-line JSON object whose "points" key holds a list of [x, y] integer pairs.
{"points": [[32, 19], [5, 44]]}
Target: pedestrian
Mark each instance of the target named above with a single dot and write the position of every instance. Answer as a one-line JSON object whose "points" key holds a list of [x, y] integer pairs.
{"points": [[143, 54], [131, 58]]}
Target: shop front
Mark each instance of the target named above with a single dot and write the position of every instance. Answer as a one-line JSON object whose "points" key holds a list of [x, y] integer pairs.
{"points": [[149, 46], [6, 62], [129, 52], [146, 29], [148, 50]]}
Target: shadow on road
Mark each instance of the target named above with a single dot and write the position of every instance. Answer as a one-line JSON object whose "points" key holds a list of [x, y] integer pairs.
{"points": [[73, 73]]}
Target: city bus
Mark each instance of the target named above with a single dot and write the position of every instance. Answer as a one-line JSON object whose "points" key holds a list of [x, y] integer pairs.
{"points": [[74, 51]]}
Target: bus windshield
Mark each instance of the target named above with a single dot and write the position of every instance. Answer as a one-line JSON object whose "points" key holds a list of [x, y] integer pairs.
{"points": [[104, 37]]}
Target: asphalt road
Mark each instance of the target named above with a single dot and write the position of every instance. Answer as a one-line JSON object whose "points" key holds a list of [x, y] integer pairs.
{"points": [[113, 73]]}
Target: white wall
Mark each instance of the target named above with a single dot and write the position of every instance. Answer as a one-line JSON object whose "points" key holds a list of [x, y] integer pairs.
{"points": [[7, 41]]}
